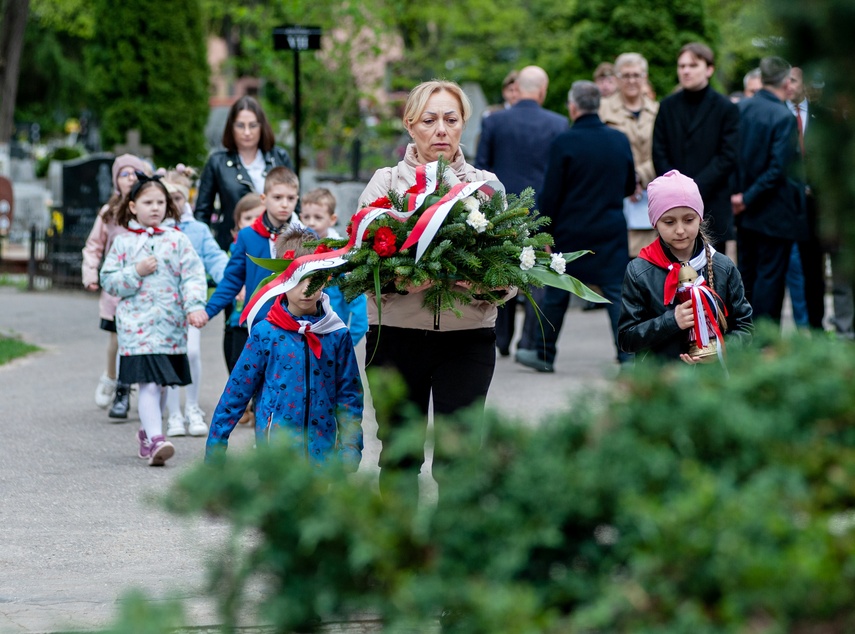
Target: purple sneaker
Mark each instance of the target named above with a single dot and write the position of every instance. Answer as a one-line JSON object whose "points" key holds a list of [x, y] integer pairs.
{"points": [[160, 450], [145, 445]]}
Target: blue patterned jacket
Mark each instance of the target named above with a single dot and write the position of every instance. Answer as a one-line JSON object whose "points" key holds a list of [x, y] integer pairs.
{"points": [[315, 404]]}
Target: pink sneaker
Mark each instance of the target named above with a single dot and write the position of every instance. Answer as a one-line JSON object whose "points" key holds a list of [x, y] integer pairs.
{"points": [[160, 451], [145, 445]]}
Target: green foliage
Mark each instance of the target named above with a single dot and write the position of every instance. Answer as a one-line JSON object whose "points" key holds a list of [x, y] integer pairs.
{"points": [[61, 153], [329, 93], [13, 348], [138, 614], [684, 501], [52, 82], [147, 69]]}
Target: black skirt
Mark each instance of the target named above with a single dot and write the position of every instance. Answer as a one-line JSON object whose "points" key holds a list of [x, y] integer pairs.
{"points": [[108, 324], [162, 369]]}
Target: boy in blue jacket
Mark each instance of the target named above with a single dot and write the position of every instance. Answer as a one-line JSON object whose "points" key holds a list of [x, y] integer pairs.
{"points": [[281, 192], [300, 365]]}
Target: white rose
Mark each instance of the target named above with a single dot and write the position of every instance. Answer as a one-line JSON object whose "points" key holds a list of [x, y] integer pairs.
{"points": [[527, 258], [477, 221], [558, 263]]}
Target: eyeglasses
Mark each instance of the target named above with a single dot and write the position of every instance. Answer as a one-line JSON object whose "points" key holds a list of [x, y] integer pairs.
{"points": [[631, 76], [127, 173], [249, 126]]}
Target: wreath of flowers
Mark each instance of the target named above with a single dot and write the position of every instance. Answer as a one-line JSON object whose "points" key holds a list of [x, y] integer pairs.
{"points": [[486, 244], [462, 242]]}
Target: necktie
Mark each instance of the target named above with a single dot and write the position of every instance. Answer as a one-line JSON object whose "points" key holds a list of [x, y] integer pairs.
{"points": [[800, 125]]}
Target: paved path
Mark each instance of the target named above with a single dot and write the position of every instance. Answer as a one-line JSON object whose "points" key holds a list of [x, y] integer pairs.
{"points": [[78, 525]]}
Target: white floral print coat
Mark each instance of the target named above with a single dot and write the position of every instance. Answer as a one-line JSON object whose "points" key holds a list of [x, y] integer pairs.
{"points": [[152, 314]]}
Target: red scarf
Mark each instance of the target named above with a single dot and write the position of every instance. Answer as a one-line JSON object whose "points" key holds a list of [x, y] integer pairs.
{"points": [[278, 316], [655, 254], [148, 230], [263, 230]]}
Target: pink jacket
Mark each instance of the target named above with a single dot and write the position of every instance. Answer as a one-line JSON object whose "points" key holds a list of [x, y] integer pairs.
{"points": [[97, 245]]}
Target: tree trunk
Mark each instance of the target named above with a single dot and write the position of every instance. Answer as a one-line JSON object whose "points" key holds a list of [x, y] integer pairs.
{"points": [[11, 42]]}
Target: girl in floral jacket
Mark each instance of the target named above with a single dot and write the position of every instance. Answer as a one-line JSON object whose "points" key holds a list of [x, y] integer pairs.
{"points": [[160, 281]]}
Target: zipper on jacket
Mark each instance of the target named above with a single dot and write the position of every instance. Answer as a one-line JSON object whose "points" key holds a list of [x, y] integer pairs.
{"points": [[306, 406], [436, 315]]}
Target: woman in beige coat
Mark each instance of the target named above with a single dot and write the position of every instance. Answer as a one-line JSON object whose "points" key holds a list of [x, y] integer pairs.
{"points": [[442, 357], [633, 113]]}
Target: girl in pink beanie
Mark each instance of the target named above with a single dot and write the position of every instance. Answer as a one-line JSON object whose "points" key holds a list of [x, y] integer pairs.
{"points": [[651, 320]]}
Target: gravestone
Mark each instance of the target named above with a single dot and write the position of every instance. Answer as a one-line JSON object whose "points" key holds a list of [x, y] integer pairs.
{"points": [[87, 185], [133, 146]]}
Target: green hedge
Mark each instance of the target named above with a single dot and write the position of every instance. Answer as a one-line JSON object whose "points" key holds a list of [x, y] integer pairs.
{"points": [[147, 70], [679, 500]]}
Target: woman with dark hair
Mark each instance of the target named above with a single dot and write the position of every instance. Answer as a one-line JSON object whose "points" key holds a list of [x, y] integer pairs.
{"points": [[240, 169]]}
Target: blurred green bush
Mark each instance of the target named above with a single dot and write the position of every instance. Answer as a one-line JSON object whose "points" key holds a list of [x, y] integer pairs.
{"points": [[682, 501], [60, 153]]}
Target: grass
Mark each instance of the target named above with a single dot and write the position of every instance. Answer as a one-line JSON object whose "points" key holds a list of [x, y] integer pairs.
{"points": [[13, 347], [18, 281]]}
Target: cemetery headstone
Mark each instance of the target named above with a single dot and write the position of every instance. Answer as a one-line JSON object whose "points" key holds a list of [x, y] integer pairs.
{"points": [[87, 185]]}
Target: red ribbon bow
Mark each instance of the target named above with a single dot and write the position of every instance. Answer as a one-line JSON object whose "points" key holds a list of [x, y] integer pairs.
{"points": [[278, 316]]}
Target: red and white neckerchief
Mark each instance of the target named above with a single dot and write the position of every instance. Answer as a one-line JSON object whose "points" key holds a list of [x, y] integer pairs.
{"points": [[655, 254], [146, 233], [329, 322]]}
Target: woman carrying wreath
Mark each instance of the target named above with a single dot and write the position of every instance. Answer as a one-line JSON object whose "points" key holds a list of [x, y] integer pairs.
{"points": [[240, 169], [441, 355]]}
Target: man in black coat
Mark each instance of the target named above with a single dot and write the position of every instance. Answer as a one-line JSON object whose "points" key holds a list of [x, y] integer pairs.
{"points": [[696, 132], [590, 172], [514, 146], [770, 203]]}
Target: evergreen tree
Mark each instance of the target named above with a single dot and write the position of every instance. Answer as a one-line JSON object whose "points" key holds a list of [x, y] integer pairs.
{"points": [[148, 70]]}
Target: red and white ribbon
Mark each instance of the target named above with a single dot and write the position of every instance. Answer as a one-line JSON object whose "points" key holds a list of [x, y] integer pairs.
{"points": [[706, 311]]}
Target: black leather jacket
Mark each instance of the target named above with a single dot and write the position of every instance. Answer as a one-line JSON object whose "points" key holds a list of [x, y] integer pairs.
{"points": [[647, 325], [225, 175]]}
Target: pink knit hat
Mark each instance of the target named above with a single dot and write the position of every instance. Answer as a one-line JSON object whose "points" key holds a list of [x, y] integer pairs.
{"points": [[127, 160], [671, 190]]}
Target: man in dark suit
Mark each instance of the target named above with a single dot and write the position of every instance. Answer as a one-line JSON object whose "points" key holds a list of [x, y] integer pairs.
{"points": [[809, 254], [590, 172], [696, 132], [769, 205], [515, 146]]}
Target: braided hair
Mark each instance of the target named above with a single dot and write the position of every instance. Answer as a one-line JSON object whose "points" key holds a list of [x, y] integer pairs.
{"points": [[703, 232]]}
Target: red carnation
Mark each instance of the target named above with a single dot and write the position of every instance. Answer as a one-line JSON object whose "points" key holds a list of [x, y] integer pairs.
{"points": [[322, 248], [383, 203], [384, 242]]}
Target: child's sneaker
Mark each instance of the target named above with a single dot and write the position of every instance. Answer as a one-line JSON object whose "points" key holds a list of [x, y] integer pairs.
{"points": [[105, 391], [196, 425], [161, 451], [175, 425], [145, 445]]}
